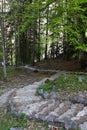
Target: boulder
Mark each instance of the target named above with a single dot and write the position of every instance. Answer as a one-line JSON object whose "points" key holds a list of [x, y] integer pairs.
{"points": [[45, 95], [70, 125], [78, 99], [53, 95]]}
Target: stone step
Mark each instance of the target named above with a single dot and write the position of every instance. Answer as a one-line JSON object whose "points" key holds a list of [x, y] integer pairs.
{"points": [[50, 110], [33, 108], [74, 109], [45, 111], [44, 105], [23, 99], [81, 116], [83, 126], [63, 107]]}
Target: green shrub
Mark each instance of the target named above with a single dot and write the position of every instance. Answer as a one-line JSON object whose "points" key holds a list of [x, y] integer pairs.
{"points": [[47, 86]]}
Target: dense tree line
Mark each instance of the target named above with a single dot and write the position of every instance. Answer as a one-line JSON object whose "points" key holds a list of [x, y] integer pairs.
{"points": [[35, 30]]}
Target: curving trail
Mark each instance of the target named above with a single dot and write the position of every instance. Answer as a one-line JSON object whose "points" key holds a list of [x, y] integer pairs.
{"points": [[66, 113]]}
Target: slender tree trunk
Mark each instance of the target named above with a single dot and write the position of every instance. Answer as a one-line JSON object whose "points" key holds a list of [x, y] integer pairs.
{"points": [[3, 41], [46, 46], [39, 39]]}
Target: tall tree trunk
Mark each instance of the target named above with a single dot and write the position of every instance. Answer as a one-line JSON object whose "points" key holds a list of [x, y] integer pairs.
{"points": [[46, 46], [39, 39], [3, 41]]}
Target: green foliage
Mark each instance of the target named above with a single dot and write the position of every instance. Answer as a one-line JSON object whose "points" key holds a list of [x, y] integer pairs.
{"points": [[11, 71], [29, 16], [82, 47], [67, 82], [43, 21], [70, 82], [0, 56], [71, 16], [47, 86], [7, 121]]}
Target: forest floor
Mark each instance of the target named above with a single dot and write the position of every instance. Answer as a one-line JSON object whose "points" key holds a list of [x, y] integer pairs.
{"points": [[60, 64], [22, 77], [18, 78]]}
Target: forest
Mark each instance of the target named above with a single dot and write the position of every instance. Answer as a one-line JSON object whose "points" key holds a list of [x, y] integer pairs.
{"points": [[43, 64], [36, 30]]}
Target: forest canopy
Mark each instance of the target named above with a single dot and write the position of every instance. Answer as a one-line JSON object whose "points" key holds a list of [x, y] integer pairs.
{"points": [[33, 30]]}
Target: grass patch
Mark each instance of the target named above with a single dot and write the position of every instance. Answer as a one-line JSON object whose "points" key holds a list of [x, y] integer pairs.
{"points": [[70, 82], [67, 82], [11, 71], [7, 122], [46, 86]]}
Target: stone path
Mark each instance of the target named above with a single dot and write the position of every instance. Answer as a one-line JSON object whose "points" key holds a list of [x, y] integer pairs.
{"points": [[65, 113], [51, 70]]}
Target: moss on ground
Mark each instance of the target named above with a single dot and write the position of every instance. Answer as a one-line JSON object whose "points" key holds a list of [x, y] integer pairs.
{"points": [[67, 82]]}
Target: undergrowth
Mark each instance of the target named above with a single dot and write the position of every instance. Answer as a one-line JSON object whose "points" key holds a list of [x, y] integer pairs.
{"points": [[47, 86], [8, 121], [11, 71], [67, 82]]}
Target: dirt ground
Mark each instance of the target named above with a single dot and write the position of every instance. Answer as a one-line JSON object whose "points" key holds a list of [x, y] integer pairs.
{"points": [[60, 64], [21, 79], [26, 77]]}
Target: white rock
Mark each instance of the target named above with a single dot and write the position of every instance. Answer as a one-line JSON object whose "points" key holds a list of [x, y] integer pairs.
{"points": [[83, 126], [80, 114]]}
